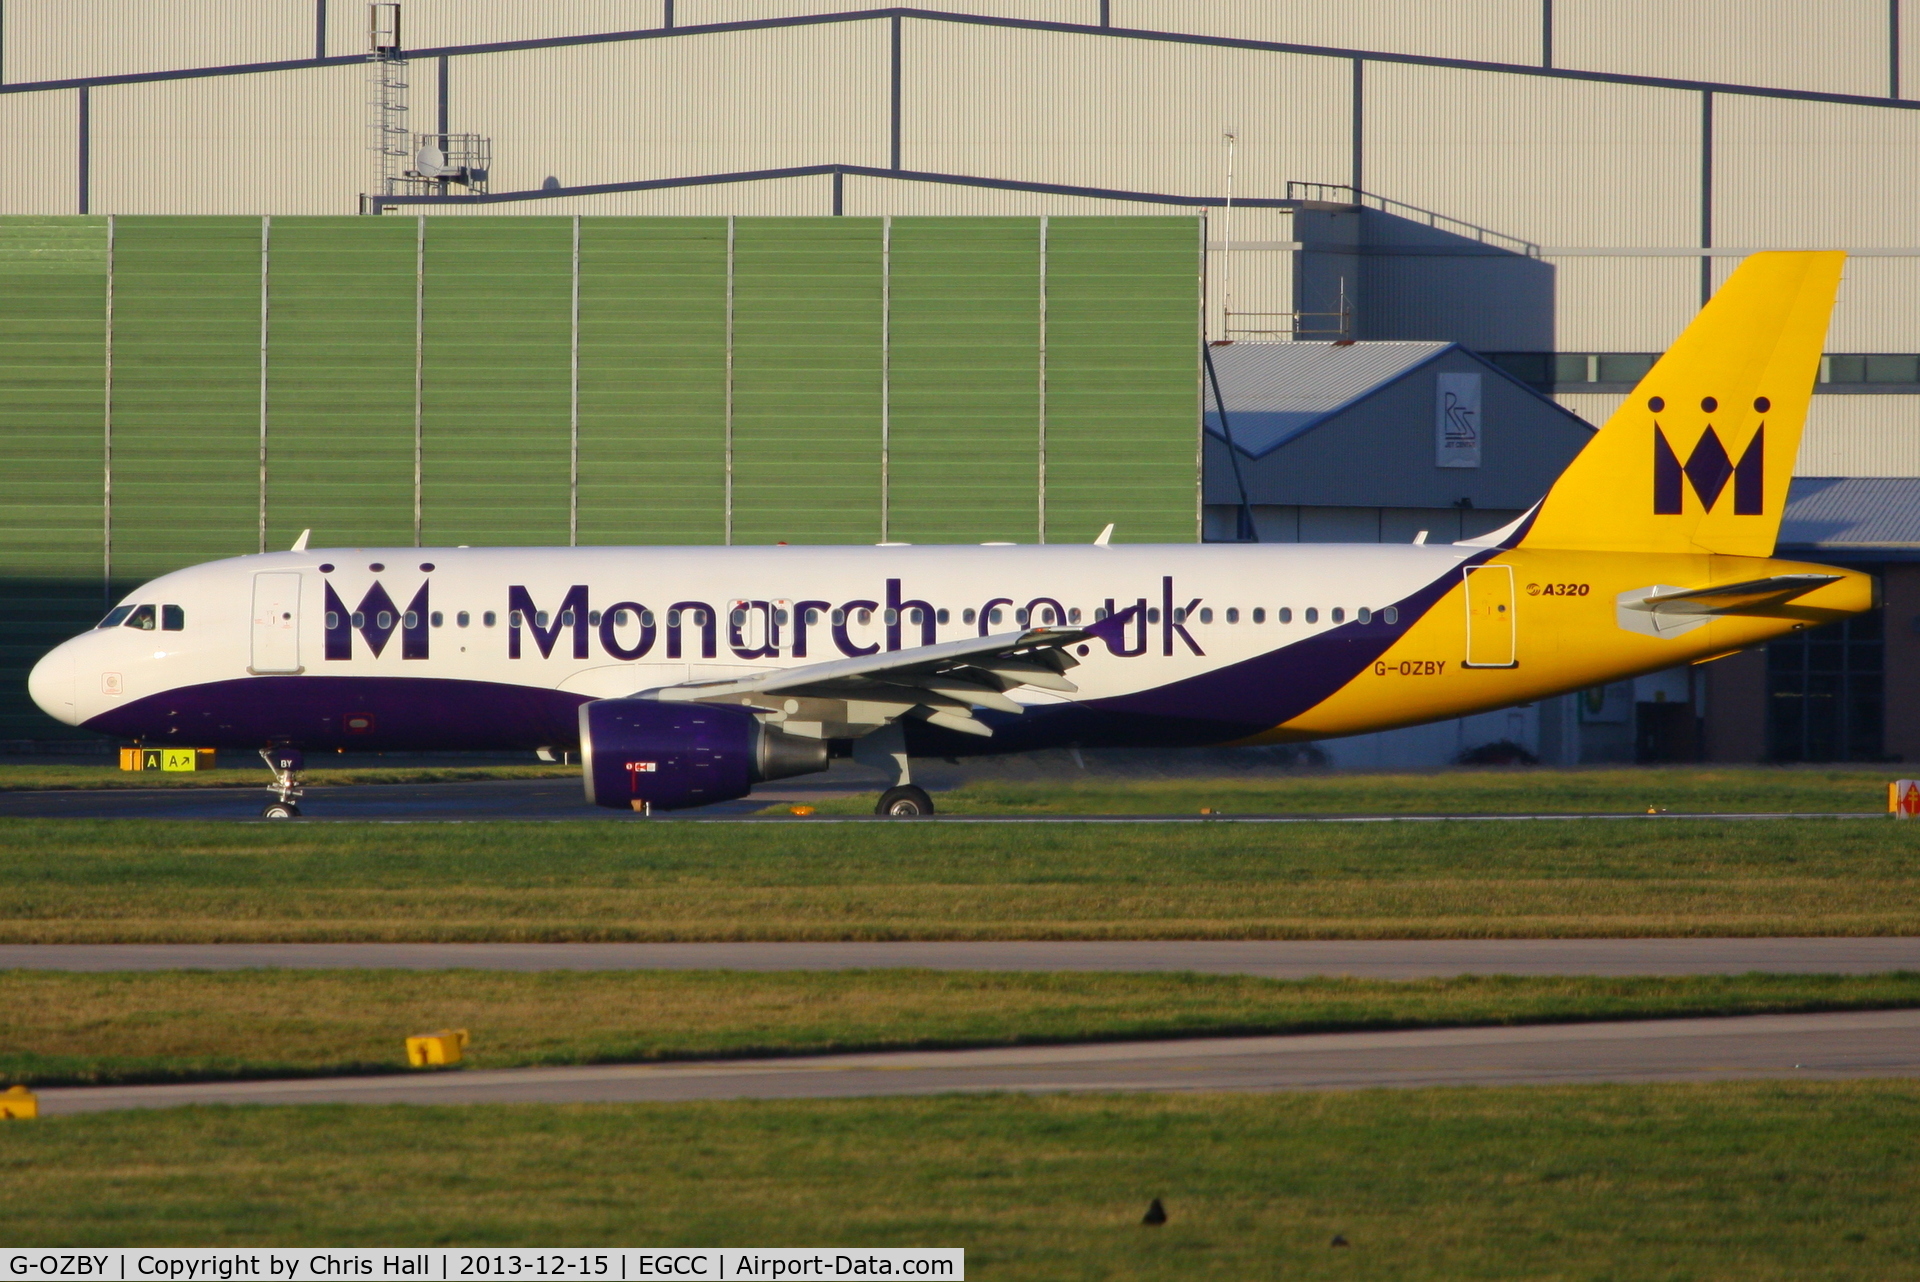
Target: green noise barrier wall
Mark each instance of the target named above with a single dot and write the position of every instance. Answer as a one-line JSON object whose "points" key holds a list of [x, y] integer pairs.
{"points": [[178, 389]]}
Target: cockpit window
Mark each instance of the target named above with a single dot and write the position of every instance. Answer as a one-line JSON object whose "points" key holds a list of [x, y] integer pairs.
{"points": [[142, 618], [173, 618], [117, 616]]}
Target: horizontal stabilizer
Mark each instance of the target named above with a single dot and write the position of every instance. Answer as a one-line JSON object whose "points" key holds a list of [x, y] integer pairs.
{"points": [[1752, 597]]}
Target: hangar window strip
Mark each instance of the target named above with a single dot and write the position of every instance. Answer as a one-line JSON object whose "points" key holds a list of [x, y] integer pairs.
{"points": [[1841, 373]]}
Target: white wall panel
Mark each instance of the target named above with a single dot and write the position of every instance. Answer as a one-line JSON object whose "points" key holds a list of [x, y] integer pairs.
{"points": [[1879, 307], [1814, 174], [871, 197], [287, 142], [1127, 114], [1479, 30], [1623, 304], [781, 198], [1833, 46], [1555, 162], [59, 39], [40, 163], [688, 13], [722, 103], [437, 24], [1861, 436], [1595, 407]]}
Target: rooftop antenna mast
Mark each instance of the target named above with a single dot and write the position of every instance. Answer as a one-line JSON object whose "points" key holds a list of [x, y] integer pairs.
{"points": [[1226, 245], [390, 136]]}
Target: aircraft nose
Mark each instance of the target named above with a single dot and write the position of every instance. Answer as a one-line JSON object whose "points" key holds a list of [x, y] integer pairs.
{"points": [[51, 684]]}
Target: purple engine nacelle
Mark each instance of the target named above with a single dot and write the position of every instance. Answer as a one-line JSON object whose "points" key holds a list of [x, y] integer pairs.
{"points": [[642, 754]]}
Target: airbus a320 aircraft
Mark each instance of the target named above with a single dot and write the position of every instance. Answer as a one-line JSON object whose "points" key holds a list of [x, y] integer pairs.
{"points": [[686, 675]]}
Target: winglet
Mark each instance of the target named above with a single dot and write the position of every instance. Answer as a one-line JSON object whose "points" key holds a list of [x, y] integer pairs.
{"points": [[1112, 629], [1104, 536], [300, 544]]}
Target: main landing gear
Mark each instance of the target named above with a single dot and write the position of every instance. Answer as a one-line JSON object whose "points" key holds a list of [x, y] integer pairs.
{"points": [[886, 749], [286, 764], [904, 802]]}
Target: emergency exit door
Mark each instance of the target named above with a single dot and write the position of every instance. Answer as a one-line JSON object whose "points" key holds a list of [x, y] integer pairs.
{"points": [[276, 622], [1490, 623]]}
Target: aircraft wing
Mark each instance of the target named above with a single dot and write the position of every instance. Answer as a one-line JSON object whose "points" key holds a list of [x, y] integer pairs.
{"points": [[1752, 597], [940, 684]]}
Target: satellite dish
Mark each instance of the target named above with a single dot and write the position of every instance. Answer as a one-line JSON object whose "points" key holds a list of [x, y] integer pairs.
{"points": [[431, 162]]}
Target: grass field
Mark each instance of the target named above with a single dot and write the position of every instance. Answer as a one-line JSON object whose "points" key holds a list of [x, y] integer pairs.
{"points": [[173, 1026], [64, 778], [1729, 1181], [1518, 790], [131, 881]]}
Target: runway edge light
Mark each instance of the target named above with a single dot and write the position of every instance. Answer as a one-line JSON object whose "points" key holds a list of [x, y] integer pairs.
{"points": [[434, 1050], [19, 1102]]}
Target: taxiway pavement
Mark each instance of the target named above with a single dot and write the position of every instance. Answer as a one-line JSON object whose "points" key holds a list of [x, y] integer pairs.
{"points": [[1280, 959], [1825, 1046]]}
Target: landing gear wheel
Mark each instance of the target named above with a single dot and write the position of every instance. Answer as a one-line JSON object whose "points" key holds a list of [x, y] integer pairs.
{"points": [[904, 802], [280, 810]]}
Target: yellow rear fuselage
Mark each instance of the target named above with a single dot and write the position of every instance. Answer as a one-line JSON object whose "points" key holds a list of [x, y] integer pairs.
{"points": [[1561, 630]]}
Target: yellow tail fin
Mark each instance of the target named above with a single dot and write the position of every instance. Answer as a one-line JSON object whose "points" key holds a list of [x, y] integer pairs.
{"points": [[1699, 457]]}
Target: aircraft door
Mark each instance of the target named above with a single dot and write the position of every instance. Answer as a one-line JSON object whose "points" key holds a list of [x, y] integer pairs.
{"points": [[276, 622], [1491, 641]]}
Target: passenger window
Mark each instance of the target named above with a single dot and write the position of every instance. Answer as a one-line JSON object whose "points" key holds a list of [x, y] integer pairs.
{"points": [[839, 618], [1339, 615], [1312, 615], [489, 619], [410, 620], [117, 616], [915, 615], [813, 616], [142, 618], [891, 617], [593, 618], [1153, 614], [1363, 614], [738, 618], [942, 616], [1283, 615], [1233, 614], [996, 616], [646, 618], [780, 618], [540, 618], [1073, 615], [385, 619], [1099, 613], [463, 619], [566, 618], [333, 620], [437, 619], [1020, 616], [967, 616], [1390, 615], [1206, 614], [1259, 615], [865, 617]]}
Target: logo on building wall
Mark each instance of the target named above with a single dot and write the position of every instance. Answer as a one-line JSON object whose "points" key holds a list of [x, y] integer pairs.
{"points": [[1456, 420]]}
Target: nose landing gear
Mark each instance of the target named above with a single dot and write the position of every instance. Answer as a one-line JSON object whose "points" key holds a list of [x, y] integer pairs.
{"points": [[286, 764]]}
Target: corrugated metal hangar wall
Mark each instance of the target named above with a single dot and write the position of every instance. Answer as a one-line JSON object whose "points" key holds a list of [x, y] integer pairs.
{"points": [[1535, 178], [178, 389]]}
